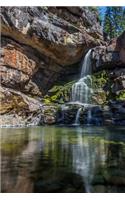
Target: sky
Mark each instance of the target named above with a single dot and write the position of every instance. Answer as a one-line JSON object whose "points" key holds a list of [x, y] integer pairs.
{"points": [[102, 10]]}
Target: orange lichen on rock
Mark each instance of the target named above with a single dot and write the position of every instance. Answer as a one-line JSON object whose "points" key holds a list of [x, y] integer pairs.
{"points": [[18, 60]]}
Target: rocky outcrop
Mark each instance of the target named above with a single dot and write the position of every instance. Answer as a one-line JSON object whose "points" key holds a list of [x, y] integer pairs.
{"points": [[39, 46], [41, 49], [111, 55], [111, 58], [18, 109], [40, 43]]}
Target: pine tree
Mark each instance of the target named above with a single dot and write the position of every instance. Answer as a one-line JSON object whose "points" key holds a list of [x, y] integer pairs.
{"points": [[114, 21], [108, 23]]}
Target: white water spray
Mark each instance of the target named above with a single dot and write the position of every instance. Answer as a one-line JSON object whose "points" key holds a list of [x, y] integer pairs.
{"points": [[82, 90], [77, 116]]}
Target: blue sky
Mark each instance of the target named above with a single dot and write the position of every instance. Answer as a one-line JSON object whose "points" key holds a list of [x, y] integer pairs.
{"points": [[102, 10]]}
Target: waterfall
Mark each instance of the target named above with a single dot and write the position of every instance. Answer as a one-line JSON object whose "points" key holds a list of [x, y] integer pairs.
{"points": [[89, 116], [86, 65], [82, 90], [77, 117]]}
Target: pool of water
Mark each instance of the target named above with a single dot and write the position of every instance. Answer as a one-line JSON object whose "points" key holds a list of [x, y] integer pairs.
{"points": [[63, 159]]}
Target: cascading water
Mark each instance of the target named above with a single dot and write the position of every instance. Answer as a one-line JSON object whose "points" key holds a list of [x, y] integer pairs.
{"points": [[77, 116], [82, 90]]}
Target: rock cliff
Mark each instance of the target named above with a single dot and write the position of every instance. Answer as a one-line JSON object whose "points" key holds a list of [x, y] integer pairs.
{"points": [[40, 43], [42, 47]]}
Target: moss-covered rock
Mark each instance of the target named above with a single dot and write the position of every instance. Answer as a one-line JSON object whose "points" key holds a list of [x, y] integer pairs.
{"points": [[99, 83], [59, 93], [121, 95]]}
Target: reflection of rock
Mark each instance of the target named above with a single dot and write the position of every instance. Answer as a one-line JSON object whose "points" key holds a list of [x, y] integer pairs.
{"points": [[49, 159], [114, 176], [61, 182]]}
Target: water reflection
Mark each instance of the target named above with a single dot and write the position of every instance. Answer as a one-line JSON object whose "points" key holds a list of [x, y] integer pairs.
{"points": [[58, 159]]}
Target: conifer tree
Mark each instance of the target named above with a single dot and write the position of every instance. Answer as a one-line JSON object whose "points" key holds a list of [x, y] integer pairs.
{"points": [[114, 21]]}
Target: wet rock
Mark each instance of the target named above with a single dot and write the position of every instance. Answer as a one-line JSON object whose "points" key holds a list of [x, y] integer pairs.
{"points": [[50, 114], [118, 112]]}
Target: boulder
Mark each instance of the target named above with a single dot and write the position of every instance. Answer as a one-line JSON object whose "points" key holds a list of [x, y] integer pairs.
{"points": [[18, 109], [111, 55]]}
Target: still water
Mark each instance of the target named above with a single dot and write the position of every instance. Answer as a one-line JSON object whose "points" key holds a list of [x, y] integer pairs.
{"points": [[60, 159]]}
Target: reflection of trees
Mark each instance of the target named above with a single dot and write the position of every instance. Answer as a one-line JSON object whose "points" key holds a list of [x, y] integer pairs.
{"points": [[60, 160], [53, 172], [114, 156], [13, 144], [113, 171]]}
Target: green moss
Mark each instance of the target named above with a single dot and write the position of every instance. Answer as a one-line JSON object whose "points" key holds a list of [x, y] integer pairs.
{"points": [[99, 79], [47, 101], [121, 95], [59, 93]]}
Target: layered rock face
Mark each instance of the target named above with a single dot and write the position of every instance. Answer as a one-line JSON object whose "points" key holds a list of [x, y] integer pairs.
{"points": [[39, 43], [42, 46], [110, 55], [108, 83], [112, 59], [38, 46]]}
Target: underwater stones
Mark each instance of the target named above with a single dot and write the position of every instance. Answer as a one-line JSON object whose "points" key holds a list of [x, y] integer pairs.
{"points": [[63, 182]]}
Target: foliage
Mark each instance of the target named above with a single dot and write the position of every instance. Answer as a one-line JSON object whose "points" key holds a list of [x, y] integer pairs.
{"points": [[114, 21], [59, 93], [95, 9], [121, 95]]}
